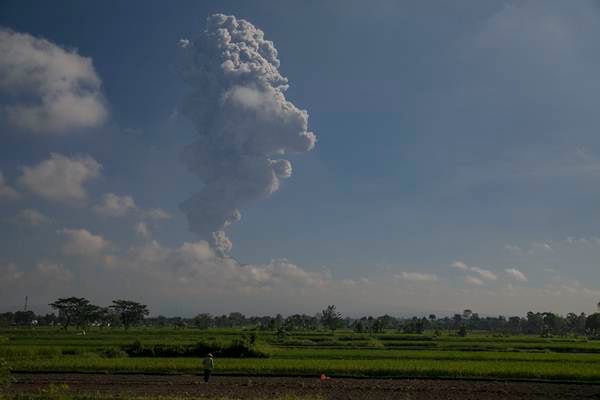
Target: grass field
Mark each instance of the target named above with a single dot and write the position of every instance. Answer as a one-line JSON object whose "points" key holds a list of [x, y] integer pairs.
{"points": [[311, 353]]}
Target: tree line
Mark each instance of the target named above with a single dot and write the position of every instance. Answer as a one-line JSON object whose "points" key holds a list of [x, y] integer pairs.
{"points": [[534, 323], [81, 313]]}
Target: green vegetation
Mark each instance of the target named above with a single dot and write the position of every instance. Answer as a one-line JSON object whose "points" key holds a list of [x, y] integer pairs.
{"points": [[120, 339], [240, 348], [581, 371], [309, 353], [5, 378]]}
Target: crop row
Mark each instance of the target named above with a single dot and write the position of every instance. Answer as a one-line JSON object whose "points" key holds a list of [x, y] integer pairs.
{"points": [[50, 352], [582, 371], [364, 354]]}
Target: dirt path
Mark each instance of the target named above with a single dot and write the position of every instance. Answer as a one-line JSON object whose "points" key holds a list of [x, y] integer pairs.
{"points": [[342, 389]]}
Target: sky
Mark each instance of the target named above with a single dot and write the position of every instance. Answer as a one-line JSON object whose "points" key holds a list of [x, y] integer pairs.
{"points": [[276, 157]]}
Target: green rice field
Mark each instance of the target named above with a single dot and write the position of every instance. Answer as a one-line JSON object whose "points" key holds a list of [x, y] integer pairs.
{"points": [[343, 354]]}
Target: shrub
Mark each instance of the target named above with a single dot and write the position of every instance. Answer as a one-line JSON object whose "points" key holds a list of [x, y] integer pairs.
{"points": [[5, 377], [112, 352], [282, 334], [375, 343], [71, 352], [10, 353], [298, 342], [238, 348], [48, 352]]}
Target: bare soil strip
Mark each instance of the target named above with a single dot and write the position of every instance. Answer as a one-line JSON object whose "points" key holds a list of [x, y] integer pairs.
{"points": [[269, 387]]}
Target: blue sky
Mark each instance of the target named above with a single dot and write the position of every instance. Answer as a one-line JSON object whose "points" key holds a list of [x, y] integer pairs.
{"points": [[456, 164]]}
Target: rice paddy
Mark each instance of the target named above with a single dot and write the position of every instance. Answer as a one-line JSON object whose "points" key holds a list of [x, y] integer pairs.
{"points": [[343, 354]]}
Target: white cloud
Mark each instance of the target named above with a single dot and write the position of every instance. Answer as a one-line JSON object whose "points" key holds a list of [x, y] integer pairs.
{"points": [[278, 271], [460, 265], [559, 286], [540, 247], [142, 230], [61, 178], [193, 273], [9, 273], [485, 274], [6, 191], [593, 240], [354, 283], [47, 89], [29, 216], [473, 280], [55, 272], [80, 242], [547, 246], [574, 240], [196, 265], [513, 249], [156, 213], [516, 274], [114, 205], [417, 277], [45, 281]]}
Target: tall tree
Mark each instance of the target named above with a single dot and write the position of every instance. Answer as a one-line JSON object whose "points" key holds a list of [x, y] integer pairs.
{"points": [[130, 312], [592, 324], [203, 321], [107, 317], [75, 311], [534, 323], [514, 324], [458, 321], [24, 317], [331, 318]]}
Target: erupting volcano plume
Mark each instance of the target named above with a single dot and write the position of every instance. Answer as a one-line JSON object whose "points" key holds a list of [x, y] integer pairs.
{"points": [[244, 123]]}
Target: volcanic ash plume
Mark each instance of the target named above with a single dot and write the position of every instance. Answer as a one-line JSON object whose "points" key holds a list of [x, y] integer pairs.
{"points": [[245, 124]]}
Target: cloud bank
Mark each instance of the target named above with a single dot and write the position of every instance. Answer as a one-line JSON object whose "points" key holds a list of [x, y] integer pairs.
{"points": [[61, 178], [484, 274], [81, 242], [7, 192], [236, 100], [417, 277], [47, 89], [31, 217], [114, 205], [516, 274]]}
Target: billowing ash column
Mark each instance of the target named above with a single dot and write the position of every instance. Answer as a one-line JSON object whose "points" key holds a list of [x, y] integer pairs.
{"points": [[245, 124]]}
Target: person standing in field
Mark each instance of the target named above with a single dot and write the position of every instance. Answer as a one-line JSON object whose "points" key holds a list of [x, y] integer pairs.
{"points": [[208, 363]]}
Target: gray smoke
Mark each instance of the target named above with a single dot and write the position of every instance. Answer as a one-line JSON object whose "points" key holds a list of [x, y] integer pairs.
{"points": [[245, 124]]}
